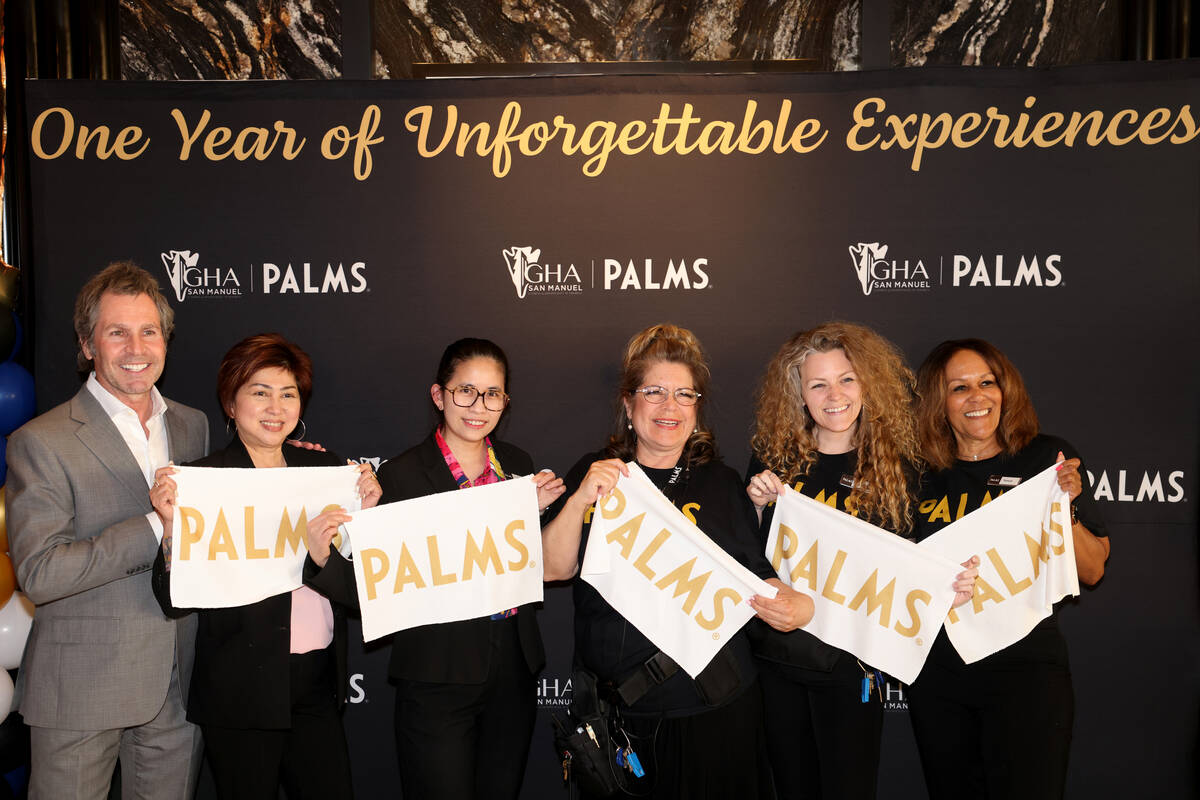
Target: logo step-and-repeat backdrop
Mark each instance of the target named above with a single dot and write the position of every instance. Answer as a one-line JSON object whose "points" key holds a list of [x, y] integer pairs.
{"points": [[1054, 213]]}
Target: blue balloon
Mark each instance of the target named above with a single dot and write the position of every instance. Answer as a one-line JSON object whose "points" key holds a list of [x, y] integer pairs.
{"points": [[16, 397]]}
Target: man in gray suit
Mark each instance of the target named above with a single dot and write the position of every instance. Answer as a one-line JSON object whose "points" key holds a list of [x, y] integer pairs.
{"points": [[104, 674]]}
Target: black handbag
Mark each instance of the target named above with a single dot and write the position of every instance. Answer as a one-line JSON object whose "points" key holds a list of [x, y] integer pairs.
{"points": [[583, 741]]}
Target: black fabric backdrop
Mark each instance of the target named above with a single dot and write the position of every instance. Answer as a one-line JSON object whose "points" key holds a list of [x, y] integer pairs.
{"points": [[1106, 341]]}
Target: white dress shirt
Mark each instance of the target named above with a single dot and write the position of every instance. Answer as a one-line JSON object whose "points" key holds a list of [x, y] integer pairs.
{"points": [[150, 452]]}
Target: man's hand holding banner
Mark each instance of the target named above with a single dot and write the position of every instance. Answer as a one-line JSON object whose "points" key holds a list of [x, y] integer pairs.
{"points": [[451, 556], [664, 575], [1027, 564], [876, 595], [237, 535]]}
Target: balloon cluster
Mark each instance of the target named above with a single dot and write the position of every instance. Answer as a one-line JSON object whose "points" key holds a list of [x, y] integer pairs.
{"points": [[16, 408]]}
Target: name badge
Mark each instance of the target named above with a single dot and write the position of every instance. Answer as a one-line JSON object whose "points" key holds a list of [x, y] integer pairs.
{"points": [[1006, 481], [847, 481]]}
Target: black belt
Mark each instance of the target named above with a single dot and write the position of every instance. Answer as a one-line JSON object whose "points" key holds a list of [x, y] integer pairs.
{"points": [[655, 671]]}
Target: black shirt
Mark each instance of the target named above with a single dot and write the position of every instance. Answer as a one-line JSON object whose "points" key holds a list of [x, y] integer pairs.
{"points": [[608, 645], [950, 494]]}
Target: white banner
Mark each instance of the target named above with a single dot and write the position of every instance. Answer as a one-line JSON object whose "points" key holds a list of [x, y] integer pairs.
{"points": [[643, 555], [876, 595], [450, 556], [237, 536], [1027, 564]]}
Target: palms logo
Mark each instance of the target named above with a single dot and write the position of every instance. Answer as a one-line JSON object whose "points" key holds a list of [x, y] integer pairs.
{"points": [[864, 256], [178, 262], [518, 260]]}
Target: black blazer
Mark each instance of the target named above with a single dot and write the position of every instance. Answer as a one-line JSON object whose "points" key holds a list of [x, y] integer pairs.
{"points": [[241, 676], [451, 652]]}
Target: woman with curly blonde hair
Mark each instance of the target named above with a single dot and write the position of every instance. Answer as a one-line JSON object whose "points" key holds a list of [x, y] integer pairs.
{"points": [[834, 419]]}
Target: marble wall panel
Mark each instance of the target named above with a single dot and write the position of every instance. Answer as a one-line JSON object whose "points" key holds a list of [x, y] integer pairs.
{"points": [[535, 31], [1004, 32], [214, 39]]}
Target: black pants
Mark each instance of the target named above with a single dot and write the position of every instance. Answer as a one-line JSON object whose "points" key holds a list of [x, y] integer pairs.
{"points": [[465, 741], [309, 759], [994, 731], [822, 739]]}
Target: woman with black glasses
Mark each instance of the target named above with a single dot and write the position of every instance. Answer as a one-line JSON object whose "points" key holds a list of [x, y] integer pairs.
{"points": [[465, 702]]}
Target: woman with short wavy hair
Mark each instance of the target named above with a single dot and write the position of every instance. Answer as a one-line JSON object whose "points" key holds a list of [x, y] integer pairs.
{"points": [[696, 737], [834, 419]]}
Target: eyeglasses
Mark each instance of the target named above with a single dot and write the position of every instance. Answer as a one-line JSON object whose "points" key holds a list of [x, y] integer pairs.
{"points": [[658, 395], [465, 396]]}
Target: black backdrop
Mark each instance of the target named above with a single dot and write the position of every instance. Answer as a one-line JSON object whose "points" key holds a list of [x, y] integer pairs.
{"points": [[1105, 335]]}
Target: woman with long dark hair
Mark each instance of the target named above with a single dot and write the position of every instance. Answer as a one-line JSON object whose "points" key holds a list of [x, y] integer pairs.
{"points": [[1001, 726], [465, 702]]}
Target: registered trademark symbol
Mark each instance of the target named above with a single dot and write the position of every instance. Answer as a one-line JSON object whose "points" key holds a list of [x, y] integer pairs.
{"points": [[532, 564], [919, 642], [716, 636]]}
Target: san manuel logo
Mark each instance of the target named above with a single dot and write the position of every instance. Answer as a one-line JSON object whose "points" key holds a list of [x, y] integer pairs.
{"points": [[189, 279], [530, 276]]}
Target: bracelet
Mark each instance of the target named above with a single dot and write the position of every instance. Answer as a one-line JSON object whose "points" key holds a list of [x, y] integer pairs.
{"points": [[1074, 515]]}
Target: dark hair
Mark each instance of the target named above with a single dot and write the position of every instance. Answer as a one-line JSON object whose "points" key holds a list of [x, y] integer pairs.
{"points": [[123, 278], [262, 352], [465, 350], [1018, 421], [657, 344]]}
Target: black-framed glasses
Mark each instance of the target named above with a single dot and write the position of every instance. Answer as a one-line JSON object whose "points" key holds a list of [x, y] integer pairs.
{"points": [[658, 394], [465, 396]]}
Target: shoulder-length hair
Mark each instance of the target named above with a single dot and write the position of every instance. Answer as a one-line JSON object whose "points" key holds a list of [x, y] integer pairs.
{"points": [[656, 344], [785, 439], [262, 351], [1018, 420]]}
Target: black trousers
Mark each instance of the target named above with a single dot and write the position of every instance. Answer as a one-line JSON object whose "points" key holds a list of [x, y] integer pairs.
{"points": [[309, 759], [466, 741], [995, 731], [823, 741]]}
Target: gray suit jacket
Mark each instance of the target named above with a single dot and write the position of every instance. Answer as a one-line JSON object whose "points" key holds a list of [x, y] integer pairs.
{"points": [[100, 653]]}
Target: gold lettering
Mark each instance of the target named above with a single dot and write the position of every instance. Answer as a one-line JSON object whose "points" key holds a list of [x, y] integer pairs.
{"points": [[718, 616], [1014, 588], [375, 567], [689, 510], [681, 576], [476, 556], [510, 536], [222, 540], [407, 572], [983, 593], [642, 564], [612, 506], [248, 531], [910, 604], [291, 534], [1038, 552], [786, 543], [806, 567], [435, 564], [875, 598], [831, 580], [64, 144], [191, 528], [626, 534]]}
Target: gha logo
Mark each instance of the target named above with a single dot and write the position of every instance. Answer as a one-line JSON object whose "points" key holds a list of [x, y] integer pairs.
{"points": [[188, 278], [876, 271], [553, 692], [530, 276]]}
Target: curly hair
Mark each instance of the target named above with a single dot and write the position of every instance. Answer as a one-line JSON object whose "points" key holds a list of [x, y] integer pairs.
{"points": [[1018, 419], [886, 441], [656, 344]]}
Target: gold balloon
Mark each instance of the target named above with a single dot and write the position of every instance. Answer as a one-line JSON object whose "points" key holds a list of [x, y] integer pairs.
{"points": [[9, 276], [8, 579]]}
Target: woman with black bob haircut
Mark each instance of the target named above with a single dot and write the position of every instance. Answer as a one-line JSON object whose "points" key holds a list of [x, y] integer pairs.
{"points": [[269, 681], [465, 693], [701, 737], [1000, 727]]}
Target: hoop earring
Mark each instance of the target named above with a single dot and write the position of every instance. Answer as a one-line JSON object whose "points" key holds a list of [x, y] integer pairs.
{"points": [[227, 431], [303, 431]]}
